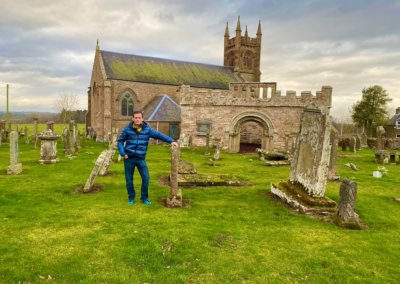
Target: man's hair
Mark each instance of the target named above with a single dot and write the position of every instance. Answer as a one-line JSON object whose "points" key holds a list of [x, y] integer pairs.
{"points": [[137, 111]]}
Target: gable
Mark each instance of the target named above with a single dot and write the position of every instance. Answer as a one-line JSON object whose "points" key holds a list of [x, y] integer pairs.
{"points": [[136, 68], [162, 108]]}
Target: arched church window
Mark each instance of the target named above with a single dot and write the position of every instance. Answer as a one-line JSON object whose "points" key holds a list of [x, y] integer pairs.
{"points": [[127, 105]]}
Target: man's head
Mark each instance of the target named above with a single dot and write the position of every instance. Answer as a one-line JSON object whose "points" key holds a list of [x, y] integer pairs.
{"points": [[137, 117]]}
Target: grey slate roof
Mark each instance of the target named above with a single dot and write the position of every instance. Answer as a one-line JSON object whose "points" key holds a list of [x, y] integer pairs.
{"points": [[162, 108]]}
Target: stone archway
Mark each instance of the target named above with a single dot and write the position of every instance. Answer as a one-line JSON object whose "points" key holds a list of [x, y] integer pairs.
{"points": [[261, 119]]}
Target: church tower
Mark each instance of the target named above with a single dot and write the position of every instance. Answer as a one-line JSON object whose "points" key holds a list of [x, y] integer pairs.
{"points": [[243, 53]]}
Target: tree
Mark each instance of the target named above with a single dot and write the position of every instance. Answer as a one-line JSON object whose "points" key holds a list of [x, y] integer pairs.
{"points": [[372, 109], [66, 104]]}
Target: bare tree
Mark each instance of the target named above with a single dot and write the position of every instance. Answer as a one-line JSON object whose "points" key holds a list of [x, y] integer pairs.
{"points": [[66, 103]]}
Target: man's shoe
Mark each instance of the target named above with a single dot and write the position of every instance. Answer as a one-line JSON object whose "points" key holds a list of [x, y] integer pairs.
{"points": [[131, 201], [147, 202]]}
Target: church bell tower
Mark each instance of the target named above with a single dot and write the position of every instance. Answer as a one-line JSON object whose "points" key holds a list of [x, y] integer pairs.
{"points": [[243, 53]]}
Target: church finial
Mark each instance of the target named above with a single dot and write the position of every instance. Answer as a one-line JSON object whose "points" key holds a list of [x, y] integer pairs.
{"points": [[245, 33], [259, 29], [97, 45], [226, 30], [238, 29]]}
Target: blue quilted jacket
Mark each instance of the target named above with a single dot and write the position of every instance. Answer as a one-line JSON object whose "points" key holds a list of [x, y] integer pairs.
{"points": [[136, 142]]}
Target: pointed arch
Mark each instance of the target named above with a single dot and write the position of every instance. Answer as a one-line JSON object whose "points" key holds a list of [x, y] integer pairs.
{"points": [[127, 101]]}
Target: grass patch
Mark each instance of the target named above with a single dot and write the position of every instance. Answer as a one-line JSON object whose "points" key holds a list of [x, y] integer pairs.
{"points": [[225, 235]]}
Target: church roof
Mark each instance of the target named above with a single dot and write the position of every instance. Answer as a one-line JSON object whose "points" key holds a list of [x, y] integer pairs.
{"points": [[119, 66], [162, 108]]}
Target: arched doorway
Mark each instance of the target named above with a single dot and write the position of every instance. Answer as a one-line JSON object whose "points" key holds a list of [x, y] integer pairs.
{"points": [[251, 126], [250, 136]]}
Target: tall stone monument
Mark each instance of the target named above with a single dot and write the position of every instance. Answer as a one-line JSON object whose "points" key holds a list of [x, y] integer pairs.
{"points": [[14, 168], [305, 189], [48, 147], [174, 199]]}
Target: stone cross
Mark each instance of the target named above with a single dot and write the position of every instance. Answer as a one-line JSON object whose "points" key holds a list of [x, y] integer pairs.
{"points": [[312, 153], [174, 198], [347, 201], [14, 167]]}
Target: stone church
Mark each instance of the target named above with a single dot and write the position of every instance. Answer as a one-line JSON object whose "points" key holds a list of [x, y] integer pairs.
{"points": [[198, 102]]}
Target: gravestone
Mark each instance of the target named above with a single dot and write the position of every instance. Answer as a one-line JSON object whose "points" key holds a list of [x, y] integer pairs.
{"points": [[48, 147], [312, 153], [358, 142], [217, 153], [380, 135], [112, 147], [392, 157], [95, 171], [14, 168], [332, 175], [207, 151], [306, 187], [35, 131], [185, 140], [174, 199], [346, 204], [364, 141], [72, 137], [353, 144], [1, 135], [66, 141]]}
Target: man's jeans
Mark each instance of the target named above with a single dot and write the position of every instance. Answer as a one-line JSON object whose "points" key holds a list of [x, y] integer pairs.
{"points": [[130, 165]]}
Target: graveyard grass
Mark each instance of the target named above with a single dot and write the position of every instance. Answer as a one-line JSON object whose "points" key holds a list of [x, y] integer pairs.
{"points": [[48, 233]]}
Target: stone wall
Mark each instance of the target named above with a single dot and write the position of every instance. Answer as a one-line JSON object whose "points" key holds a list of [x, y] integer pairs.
{"points": [[226, 111]]}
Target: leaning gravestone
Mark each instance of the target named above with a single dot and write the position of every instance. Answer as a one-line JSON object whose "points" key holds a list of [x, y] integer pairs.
{"points": [[95, 171], [112, 147], [346, 214], [305, 189], [14, 168], [174, 199]]}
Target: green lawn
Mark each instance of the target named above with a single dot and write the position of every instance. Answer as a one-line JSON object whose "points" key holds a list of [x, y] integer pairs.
{"points": [[224, 235]]}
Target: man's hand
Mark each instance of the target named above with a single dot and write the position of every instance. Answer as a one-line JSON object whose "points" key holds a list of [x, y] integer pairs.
{"points": [[126, 156], [174, 144]]}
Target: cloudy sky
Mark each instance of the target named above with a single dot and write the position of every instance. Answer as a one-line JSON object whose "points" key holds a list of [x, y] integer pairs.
{"points": [[47, 47]]}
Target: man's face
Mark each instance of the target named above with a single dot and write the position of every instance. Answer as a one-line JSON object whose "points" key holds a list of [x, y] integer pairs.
{"points": [[137, 118]]}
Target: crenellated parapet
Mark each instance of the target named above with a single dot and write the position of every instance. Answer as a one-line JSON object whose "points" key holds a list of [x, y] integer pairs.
{"points": [[263, 94]]}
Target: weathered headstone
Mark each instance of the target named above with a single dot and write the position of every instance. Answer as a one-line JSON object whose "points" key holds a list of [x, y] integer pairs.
{"points": [[66, 141], [346, 204], [26, 135], [358, 142], [35, 131], [95, 171], [72, 143], [207, 151], [112, 147], [312, 154], [332, 175], [14, 167], [305, 189], [353, 144], [174, 199], [364, 139], [48, 147], [217, 153], [380, 135], [185, 140]]}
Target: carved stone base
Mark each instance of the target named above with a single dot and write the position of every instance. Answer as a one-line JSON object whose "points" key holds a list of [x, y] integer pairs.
{"points": [[14, 169], [175, 201]]}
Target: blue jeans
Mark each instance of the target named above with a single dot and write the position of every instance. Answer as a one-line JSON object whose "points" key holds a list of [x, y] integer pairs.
{"points": [[129, 165]]}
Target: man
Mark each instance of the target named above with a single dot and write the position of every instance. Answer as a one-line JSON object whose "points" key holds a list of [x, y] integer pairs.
{"points": [[136, 137]]}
